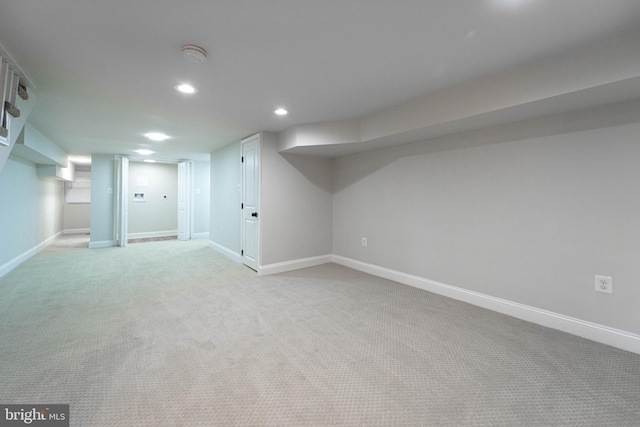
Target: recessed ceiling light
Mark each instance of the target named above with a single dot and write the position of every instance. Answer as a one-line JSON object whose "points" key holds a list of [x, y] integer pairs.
{"points": [[144, 152], [281, 112], [149, 161], [156, 136], [185, 88]]}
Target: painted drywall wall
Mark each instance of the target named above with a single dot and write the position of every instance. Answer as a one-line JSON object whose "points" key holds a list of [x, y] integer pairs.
{"points": [[76, 217], [158, 213], [201, 198], [102, 200], [526, 212], [295, 204], [339, 132], [224, 229], [31, 209], [76, 214], [36, 147]]}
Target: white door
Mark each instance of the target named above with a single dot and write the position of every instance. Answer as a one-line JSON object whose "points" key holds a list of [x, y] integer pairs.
{"points": [[185, 171], [250, 245], [121, 204]]}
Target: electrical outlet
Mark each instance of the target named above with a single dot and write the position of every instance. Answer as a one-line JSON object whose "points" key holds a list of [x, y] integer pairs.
{"points": [[364, 241], [604, 284]]}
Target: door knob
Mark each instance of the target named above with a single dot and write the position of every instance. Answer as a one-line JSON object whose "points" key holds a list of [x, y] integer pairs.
{"points": [[255, 214]]}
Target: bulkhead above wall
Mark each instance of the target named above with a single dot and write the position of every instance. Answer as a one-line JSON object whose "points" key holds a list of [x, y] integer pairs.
{"points": [[593, 77], [51, 161]]}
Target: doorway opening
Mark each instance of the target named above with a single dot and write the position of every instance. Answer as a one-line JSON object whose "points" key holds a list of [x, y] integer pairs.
{"points": [[153, 201]]}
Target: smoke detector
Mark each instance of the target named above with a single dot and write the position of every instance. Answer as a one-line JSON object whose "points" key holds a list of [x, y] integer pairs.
{"points": [[194, 53]]}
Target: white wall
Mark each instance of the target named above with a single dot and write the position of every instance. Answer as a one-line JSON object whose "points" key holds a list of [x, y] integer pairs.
{"points": [[158, 214], [76, 217], [518, 212], [224, 229], [76, 214], [30, 212], [102, 194], [201, 198], [295, 211], [102, 201], [295, 204]]}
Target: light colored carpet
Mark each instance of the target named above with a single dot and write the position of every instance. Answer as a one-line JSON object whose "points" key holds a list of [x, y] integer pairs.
{"points": [[171, 333]]}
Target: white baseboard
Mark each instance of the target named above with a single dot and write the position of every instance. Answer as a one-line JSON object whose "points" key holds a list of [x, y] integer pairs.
{"points": [[204, 235], [76, 231], [10, 265], [296, 264], [146, 235], [225, 251], [102, 244], [592, 331]]}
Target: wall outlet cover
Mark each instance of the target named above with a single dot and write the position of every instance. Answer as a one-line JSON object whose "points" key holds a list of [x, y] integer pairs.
{"points": [[604, 284]]}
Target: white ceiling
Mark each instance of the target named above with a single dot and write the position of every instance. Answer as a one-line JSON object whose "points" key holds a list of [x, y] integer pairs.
{"points": [[104, 70]]}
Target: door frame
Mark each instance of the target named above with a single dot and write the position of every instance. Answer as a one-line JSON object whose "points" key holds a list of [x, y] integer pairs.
{"points": [[121, 200], [121, 205], [185, 200], [257, 246]]}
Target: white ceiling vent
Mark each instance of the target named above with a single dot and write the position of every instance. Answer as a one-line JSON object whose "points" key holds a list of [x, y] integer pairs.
{"points": [[194, 53]]}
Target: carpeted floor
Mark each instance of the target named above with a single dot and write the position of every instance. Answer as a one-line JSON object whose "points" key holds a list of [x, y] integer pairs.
{"points": [[171, 333]]}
